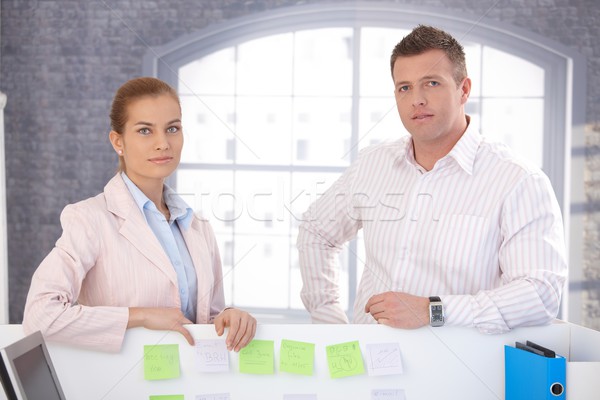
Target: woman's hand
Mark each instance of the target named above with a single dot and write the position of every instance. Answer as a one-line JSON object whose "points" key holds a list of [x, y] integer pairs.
{"points": [[162, 319], [242, 327]]}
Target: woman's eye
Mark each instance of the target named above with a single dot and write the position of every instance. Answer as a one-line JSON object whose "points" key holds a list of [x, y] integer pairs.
{"points": [[144, 131], [173, 129]]}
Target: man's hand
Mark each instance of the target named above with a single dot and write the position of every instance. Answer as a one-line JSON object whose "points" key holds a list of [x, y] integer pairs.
{"points": [[242, 327], [399, 310]]}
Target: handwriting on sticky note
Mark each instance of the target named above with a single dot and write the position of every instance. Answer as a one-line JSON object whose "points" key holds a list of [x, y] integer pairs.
{"points": [[257, 357], [212, 355], [161, 361], [384, 359], [296, 357], [168, 397], [387, 394], [213, 396], [344, 359]]}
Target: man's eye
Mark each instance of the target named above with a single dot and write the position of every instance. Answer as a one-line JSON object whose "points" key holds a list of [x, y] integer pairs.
{"points": [[403, 88], [434, 83]]}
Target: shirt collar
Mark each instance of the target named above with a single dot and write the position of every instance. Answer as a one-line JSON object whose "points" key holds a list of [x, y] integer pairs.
{"points": [[178, 208], [463, 152]]}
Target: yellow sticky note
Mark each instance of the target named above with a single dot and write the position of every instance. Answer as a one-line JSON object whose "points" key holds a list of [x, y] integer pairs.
{"points": [[161, 361], [167, 397], [257, 357], [296, 357], [345, 359]]}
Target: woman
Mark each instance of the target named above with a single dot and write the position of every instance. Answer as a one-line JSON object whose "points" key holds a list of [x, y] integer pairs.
{"points": [[134, 255]]}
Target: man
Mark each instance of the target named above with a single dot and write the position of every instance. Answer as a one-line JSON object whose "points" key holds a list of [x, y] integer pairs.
{"points": [[457, 230]]}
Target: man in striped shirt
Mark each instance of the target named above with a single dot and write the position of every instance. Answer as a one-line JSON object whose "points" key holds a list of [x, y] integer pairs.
{"points": [[444, 213]]}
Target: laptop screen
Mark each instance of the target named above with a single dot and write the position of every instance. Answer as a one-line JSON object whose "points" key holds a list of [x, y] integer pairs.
{"points": [[27, 371], [35, 375]]}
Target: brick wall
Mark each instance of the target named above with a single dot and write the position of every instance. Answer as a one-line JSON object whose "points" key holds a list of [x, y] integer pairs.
{"points": [[62, 60]]}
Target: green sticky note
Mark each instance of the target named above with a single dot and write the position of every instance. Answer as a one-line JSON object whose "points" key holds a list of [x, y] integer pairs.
{"points": [[257, 357], [344, 359], [167, 397], [161, 361], [296, 357]]}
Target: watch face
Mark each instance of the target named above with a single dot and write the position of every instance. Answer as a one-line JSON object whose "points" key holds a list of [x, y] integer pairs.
{"points": [[437, 314]]}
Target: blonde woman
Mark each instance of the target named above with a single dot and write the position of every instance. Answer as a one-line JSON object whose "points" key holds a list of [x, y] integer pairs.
{"points": [[136, 254]]}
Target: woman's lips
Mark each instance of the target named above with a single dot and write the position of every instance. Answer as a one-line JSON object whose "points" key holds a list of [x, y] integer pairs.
{"points": [[160, 160]]}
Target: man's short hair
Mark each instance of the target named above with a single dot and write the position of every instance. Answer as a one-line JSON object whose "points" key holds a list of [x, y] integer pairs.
{"points": [[424, 38]]}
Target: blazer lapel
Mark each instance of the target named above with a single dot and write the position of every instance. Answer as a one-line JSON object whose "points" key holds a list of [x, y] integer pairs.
{"points": [[201, 255], [134, 228]]}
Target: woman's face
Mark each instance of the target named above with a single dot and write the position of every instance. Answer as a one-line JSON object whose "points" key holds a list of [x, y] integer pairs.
{"points": [[152, 139]]}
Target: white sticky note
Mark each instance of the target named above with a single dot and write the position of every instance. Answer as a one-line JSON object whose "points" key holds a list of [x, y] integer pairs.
{"points": [[299, 397], [212, 356], [387, 394], [214, 396], [384, 359]]}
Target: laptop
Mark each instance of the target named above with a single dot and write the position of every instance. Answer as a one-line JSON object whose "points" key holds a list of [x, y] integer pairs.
{"points": [[27, 372]]}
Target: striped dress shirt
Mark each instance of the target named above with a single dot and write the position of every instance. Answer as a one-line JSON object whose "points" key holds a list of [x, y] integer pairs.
{"points": [[482, 230]]}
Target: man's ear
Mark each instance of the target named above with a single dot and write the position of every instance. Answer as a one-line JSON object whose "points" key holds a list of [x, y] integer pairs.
{"points": [[465, 89], [116, 139]]}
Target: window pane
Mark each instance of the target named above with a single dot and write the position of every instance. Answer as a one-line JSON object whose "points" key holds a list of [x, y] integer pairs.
{"points": [[323, 62], [264, 66], [264, 130], [517, 123], [264, 198], [209, 75], [376, 48], [208, 126], [379, 122], [506, 75], [322, 130], [261, 272], [473, 59]]}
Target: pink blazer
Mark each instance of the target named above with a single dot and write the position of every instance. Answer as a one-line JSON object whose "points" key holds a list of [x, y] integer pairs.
{"points": [[108, 259]]}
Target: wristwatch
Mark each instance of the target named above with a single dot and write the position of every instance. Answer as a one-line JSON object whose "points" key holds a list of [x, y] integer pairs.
{"points": [[436, 311]]}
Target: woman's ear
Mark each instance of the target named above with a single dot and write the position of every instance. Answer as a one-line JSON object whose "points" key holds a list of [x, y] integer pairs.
{"points": [[116, 140]]}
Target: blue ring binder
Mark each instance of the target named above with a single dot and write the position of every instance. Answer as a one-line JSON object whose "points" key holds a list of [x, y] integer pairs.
{"points": [[531, 376]]}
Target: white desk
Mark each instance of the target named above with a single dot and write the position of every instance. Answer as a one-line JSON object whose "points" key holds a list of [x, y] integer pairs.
{"points": [[439, 363]]}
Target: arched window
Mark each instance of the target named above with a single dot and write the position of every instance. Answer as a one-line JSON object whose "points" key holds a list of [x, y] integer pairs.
{"points": [[277, 105]]}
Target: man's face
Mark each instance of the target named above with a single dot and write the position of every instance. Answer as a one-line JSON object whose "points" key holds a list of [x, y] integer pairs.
{"points": [[430, 104]]}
